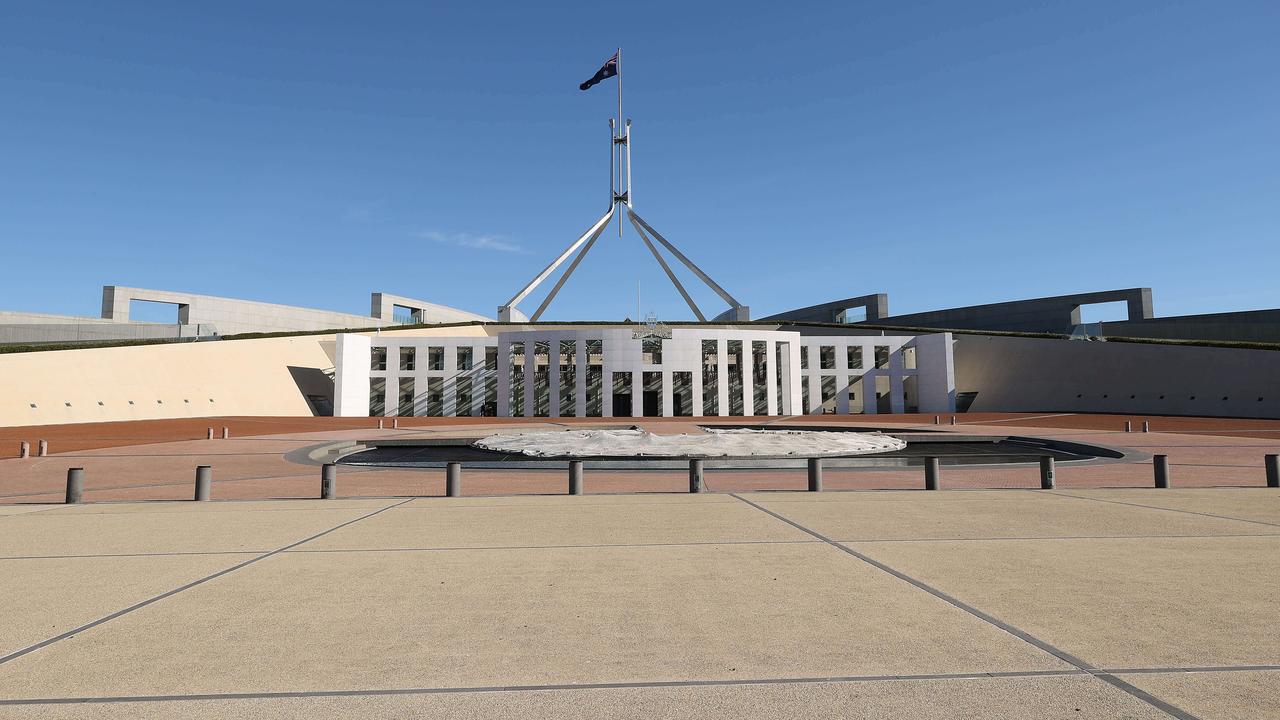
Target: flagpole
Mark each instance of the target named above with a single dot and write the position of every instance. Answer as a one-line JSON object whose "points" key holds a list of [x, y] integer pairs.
{"points": [[617, 149]]}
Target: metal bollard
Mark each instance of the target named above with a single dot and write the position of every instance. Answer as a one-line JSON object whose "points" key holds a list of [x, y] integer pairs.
{"points": [[42, 448], [815, 474], [1146, 426], [1273, 470], [935, 419], [453, 479], [1046, 473], [209, 435], [24, 449], [75, 485], [575, 477], [1161, 464], [204, 478], [953, 419], [695, 476], [1128, 426], [931, 473], [225, 433], [395, 423], [380, 421], [328, 481]]}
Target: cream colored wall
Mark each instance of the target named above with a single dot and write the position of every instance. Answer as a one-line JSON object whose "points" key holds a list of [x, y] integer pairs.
{"points": [[243, 377]]}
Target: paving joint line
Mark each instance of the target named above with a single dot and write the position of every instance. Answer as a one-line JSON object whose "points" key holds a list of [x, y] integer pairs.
{"points": [[1059, 537], [558, 547], [187, 586], [132, 555], [1157, 507], [547, 687], [1063, 655]]}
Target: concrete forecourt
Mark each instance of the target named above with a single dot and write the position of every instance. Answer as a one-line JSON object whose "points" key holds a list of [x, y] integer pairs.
{"points": [[1079, 602]]}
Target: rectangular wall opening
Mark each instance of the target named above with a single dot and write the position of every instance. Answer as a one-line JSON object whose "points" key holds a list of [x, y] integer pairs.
{"points": [[568, 378], [405, 315], [682, 394], [153, 311], [652, 394], [759, 377], [621, 394], [710, 378], [405, 408], [595, 378]]}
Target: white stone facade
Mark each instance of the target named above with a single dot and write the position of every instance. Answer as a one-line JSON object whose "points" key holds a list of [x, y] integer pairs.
{"points": [[608, 372]]}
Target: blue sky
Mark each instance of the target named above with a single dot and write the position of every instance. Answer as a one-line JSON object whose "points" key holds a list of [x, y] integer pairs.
{"points": [[945, 153]]}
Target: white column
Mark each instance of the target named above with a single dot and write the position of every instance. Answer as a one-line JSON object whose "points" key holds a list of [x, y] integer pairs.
{"points": [[637, 393], [722, 375], [450, 389], [351, 382], [668, 393]]}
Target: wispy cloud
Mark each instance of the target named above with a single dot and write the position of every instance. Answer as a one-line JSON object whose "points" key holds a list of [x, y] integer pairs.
{"points": [[495, 243]]}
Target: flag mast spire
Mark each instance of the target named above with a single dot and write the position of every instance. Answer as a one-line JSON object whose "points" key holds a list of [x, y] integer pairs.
{"points": [[617, 148], [620, 204]]}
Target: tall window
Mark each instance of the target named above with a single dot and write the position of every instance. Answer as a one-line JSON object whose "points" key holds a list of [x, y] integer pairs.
{"points": [[568, 378], [882, 356], [406, 397], [682, 394], [541, 378], [406, 358], [490, 407], [827, 355], [377, 397], [651, 350], [462, 406], [378, 358], [517, 379], [491, 359], [435, 397], [855, 358], [782, 358], [435, 358], [828, 394], [595, 377], [710, 378], [464, 359], [760, 377], [734, 358], [804, 358]]}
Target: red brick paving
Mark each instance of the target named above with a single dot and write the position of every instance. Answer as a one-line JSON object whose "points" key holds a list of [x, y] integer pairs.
{"points": [[155, 459]]}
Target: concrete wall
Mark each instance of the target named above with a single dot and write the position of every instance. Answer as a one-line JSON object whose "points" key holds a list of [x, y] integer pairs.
{"points": [[270, 376], [875, 307], [1042, 375], [244, 377], [98, 332], [382, 306], [1248, 326], [233, 316], [1058, 314]]}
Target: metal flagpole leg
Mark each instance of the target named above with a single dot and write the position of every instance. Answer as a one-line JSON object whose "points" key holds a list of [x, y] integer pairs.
{"points": [[569, 271], [666, 268], [603, 221], [724, 295]]}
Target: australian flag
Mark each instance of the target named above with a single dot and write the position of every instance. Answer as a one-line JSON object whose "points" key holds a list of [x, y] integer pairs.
{"points": [[608, 70]]}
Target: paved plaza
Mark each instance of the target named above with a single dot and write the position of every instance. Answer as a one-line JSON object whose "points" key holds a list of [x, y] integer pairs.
{"points": [[1079, 602]]}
